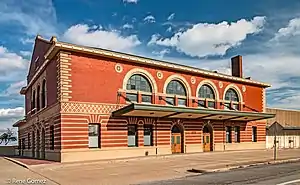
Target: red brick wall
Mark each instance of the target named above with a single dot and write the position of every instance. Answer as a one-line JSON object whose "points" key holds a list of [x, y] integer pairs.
{"points": [[94, 79], [113, 131], [51, 81]]}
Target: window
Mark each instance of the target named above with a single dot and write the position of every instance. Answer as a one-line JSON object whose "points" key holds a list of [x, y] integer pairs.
{"points": [[139, 83], [93, 136], [227, 106], [43, 95], [148, 141], [231, 95], [211, 104], [51, 137], [206, 93], [28, 140], [231, 100], [132, 136], [132, 97], [38, 98], [237, 134], [170, 100], [146, 98], [235, 106], [181, 102], [201, 103], [33, 102], [254, 134], [176, 88], [228, 134]]}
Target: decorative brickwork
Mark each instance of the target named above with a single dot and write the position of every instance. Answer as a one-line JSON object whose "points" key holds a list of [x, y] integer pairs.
{"points": [[88, 108], [94, 118], [149, 121], [64, 73], [132, 120]]}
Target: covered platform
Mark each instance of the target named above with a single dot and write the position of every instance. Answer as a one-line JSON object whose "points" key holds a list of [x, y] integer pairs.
{"points": [[161, 111]]}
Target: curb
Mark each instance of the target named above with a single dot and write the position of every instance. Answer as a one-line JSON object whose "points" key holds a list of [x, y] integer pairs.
{"points": [[16, 162], [242, 166]]}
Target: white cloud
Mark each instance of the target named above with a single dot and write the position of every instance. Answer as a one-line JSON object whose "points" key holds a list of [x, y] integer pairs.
{"points": [[171, 17], [161, 53], [26, 41], [205, 39], [83, 34], [25, 53], [40, 19], [149, 19], [169, 29], [130, 1], [11, 63], [9, 116], [127, 26], [292, 29], [12, 113], [13, 89]]}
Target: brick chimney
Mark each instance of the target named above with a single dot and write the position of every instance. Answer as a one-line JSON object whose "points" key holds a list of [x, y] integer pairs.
{"points": [[237, 66]]}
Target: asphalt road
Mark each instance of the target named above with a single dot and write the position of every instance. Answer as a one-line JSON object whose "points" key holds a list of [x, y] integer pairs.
{"points": [[281, 174]]}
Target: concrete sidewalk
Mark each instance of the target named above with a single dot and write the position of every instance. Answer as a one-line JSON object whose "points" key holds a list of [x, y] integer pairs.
{"points": [[133, 171]]}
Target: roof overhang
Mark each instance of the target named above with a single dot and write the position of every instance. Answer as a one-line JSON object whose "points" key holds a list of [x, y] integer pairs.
{"points": [[23, 90], [291, 128], [161, 111], [19, 123]]}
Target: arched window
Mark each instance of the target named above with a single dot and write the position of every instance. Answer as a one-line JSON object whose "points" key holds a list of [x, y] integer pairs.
{"points": [[38, 98], [231, 100], [175, 87], [138, 83], [33, 101], [43, 94], [206, 97]]}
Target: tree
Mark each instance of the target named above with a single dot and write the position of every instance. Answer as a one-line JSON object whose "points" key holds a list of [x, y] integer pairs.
{"points": [[8, 136]]}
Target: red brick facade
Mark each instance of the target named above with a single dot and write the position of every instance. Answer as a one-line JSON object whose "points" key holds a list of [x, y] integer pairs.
{"points": [[83, 88]]}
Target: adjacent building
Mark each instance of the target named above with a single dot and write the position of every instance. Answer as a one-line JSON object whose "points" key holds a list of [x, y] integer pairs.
{"points": [[85, 103], [284, 128]]}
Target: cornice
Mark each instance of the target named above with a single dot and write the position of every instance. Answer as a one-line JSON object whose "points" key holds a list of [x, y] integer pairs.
{"points": [[56, 46]]}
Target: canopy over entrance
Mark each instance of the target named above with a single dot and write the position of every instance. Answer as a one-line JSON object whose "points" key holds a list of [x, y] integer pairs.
{"points": [[162, 111]]}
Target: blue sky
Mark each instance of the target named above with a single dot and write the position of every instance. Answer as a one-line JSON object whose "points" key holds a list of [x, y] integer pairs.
{"points": [[198, 33]]}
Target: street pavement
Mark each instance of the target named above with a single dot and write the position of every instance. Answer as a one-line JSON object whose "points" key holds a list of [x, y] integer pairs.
{"points": [[137, 170], [273, 174], [11, 173]]}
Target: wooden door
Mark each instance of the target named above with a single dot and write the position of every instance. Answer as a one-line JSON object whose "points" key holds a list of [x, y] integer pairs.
{"points": [[206, 142], [176, 143]]}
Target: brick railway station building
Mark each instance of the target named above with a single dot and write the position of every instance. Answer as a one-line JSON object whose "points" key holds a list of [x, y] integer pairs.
{"points": [[85, 103]]}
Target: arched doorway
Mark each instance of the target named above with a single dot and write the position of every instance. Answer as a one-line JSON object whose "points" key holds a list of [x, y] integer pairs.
{"points": [[177, 139], [43, 143], [207, 138]]}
